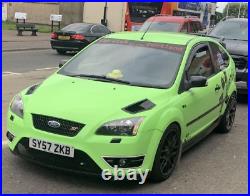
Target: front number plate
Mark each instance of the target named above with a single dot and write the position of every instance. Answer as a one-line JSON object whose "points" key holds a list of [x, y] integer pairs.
{"points": [[51, 147]]}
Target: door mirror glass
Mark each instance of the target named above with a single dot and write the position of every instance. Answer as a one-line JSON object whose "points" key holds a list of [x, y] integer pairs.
{"points": [[197, 81]]}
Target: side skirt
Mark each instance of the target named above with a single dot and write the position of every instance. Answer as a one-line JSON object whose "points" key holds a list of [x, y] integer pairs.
{"points": [[187, 145]]}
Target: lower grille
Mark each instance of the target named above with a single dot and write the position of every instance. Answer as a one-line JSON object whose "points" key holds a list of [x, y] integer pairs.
{"points": [[62, 127], [240, 62], [81, 163]]}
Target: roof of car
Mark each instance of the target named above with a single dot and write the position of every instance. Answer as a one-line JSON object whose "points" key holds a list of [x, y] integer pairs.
{"points": [[160, 37], [177, 19]]}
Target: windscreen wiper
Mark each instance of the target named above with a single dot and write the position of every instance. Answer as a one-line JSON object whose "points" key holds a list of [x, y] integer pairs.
{"points": [[100, 78]]}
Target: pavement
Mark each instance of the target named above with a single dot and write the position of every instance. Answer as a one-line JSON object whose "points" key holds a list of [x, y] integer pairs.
{"points": [[218, 164], [12, 42]]}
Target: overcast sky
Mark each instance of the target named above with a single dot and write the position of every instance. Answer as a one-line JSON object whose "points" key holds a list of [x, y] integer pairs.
{"points": [[221, 6]]}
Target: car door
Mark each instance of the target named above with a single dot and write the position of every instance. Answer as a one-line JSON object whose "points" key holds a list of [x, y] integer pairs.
{"points": [[221, 62], [200, 104]]}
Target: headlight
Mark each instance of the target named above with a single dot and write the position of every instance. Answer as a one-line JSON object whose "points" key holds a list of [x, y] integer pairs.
{"points": [[16, 106], [124, 127]]}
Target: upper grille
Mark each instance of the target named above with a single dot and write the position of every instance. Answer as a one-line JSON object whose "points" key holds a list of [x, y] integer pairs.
{"points": [[240, 62], [66, 127]]}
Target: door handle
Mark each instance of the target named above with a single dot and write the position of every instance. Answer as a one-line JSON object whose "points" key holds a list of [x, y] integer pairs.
{"points": [[217, 88]]}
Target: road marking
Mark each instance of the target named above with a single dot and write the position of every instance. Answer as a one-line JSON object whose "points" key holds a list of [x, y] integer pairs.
{"points": [[7, 73], [25, 50], [46, 68]]}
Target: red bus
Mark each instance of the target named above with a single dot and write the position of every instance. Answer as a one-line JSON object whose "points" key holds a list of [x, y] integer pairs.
{"points": [[138, 13]]}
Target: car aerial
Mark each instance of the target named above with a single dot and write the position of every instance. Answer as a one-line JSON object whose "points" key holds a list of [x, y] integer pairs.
{"points": [[234, 33], [185, 24], [76, 36], [128, 100]]}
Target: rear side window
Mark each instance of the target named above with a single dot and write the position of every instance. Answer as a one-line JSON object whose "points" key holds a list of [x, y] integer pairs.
{"points": [[195, 27], [77, 27], [103, 29], [184, 28], [218, 55], [94, 29], [201, 63]]}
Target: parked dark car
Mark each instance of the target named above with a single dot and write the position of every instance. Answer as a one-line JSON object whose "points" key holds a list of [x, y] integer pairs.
{"points": [[76, 36], [234, 33], [185, 24]]}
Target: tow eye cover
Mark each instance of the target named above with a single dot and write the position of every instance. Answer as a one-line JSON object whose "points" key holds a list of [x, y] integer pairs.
{"points": [[140, 106]]}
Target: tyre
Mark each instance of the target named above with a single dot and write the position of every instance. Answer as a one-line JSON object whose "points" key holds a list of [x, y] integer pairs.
{"points": [[167, 155], [228, 117], [61, 51]]}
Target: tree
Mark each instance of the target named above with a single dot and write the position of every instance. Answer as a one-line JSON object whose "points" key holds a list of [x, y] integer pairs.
{"points": [[234, 10], [218, 17]]}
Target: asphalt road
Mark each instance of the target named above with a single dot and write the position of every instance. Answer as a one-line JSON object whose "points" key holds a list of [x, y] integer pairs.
{"points": [[28, 60], [216, 165]]}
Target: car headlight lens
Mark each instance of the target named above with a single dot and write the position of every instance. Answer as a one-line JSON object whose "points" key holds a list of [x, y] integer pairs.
{"points": [[16, 106], [124, 127]]}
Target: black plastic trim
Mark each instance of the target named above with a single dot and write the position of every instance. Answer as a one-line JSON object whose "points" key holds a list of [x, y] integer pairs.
{"points": [[139, 106]]}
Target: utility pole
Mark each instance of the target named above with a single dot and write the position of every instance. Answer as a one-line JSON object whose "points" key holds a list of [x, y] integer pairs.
{"points": [[104, 20], [239, 10], [227, 9]]}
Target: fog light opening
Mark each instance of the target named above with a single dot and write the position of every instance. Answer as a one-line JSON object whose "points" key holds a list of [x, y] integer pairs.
{"points": [[125, 162]]}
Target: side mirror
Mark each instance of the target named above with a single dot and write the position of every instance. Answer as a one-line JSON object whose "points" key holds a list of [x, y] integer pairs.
{"points": [[62, 62], [197, 81]]}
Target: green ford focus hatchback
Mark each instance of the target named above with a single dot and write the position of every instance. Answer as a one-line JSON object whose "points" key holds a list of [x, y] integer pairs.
{"points": [[129, 100]]}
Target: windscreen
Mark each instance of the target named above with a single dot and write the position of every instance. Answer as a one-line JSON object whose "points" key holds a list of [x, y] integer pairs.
{"points": [[231, 30], [137, 62]]}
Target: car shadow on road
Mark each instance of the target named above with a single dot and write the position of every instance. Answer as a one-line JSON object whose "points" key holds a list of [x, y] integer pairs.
{"points": [[242, 99]]}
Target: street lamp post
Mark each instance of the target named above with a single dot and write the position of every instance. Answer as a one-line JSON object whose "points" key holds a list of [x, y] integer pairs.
{"points": [[227, 9], [239, 10]]}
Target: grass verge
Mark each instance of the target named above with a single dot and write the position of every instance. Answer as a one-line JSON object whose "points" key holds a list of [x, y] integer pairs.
{"points": [[12, 26]]}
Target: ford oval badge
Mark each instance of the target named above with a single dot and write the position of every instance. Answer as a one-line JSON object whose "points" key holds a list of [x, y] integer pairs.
{"points": [[54, 124]]}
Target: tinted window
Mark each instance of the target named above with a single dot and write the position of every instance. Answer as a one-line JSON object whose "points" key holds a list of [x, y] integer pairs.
{"points": [[161, 26], [95, 29], [218, 53], [139, 12], [103, 29], [77, 27], [201, 63], [195, 27], [140, 63], [184, 28], [231, 30], [198, 25]]}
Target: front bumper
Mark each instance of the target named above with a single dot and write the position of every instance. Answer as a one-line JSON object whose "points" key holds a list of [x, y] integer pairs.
{"points": [[241, 63], [242, 80], [90, 152]]}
